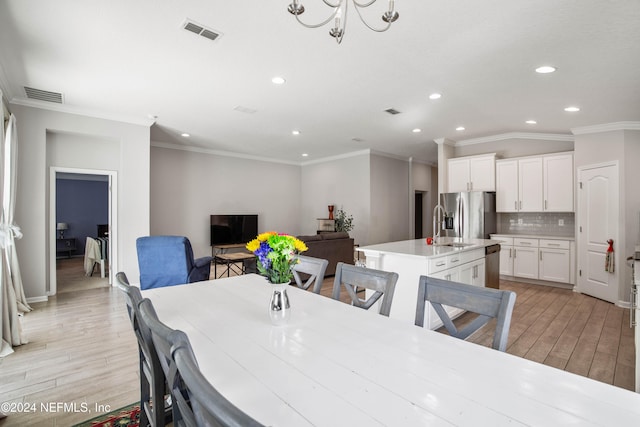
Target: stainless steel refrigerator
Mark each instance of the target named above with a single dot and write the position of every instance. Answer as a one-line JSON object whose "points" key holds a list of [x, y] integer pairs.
{"points": [[470, 215]]}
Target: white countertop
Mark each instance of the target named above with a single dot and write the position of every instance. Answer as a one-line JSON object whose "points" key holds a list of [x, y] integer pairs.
{"points": [[534, 236], [419, 247]]}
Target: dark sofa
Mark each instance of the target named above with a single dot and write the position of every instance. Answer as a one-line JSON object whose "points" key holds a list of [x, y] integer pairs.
{"points": [[334, 247]]}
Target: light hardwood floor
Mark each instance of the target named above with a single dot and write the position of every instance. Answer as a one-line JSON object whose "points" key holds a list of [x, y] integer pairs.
{"points": [[82, 349]]}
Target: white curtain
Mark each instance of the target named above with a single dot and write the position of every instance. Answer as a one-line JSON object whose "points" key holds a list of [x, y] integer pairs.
{"points": [[12, 298]]}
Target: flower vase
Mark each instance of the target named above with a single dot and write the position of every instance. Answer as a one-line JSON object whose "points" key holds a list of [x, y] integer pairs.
{"points": [[279, 308]]}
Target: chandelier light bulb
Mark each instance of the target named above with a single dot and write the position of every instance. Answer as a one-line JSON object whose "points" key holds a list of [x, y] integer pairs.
{"points": [[339, 16]]}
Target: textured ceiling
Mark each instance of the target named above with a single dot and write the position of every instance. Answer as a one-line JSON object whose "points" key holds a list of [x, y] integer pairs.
{"points": [[132, 59]]}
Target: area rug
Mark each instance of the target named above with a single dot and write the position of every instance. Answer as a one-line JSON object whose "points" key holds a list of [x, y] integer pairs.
{"points": [[127, 416]]}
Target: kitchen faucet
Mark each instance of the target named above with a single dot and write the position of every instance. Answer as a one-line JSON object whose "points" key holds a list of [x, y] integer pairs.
{"points": [[437, 222]]}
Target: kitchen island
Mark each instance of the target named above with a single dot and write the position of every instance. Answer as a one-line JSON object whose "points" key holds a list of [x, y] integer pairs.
{"points": [[455, 259]]}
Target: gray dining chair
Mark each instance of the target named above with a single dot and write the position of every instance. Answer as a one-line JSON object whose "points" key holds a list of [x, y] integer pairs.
{"points": [[162, 345], [314, 268], [152, 380], [193, 402], [206, 406], [487, 303], [350, 277]]}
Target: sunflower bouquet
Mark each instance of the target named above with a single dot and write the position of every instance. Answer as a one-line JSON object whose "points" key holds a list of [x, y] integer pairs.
{"points": [[277, 254]]}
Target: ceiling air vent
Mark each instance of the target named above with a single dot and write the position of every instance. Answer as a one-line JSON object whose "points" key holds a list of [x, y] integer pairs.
{"points": [[43, 95], [392, 111], [200, 30]]}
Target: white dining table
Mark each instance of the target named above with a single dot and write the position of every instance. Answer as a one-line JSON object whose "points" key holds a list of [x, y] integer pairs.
{"points": [[334, 364]]}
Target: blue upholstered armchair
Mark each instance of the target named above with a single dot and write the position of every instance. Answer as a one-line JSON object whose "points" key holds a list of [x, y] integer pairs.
{"points": [[168, 261]]}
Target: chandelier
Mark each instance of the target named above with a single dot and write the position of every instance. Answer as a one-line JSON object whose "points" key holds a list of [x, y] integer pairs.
{"points": [[339, 16]]}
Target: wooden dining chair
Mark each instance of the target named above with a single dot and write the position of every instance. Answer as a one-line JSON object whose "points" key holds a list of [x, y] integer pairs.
{"points": [[206, 406], [152, 380], [314, 268], [382, 283], [487, 303]]}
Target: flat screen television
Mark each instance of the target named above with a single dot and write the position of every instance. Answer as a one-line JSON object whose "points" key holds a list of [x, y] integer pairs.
{"points": [[233, 229]]}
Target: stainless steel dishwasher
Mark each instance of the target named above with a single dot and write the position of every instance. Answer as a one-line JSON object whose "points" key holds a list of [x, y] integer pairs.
{"points": [[492, 266]]}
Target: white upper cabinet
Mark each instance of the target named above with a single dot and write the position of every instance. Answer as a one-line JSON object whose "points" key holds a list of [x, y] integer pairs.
{"points": [[530, 184], [476, 173], [558, 183], [535, 184], [507, 186], [519, 185]]}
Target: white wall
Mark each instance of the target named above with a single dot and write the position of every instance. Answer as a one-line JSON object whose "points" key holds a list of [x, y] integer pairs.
{"points": [[623, 146], [632, 182], [390, 204], [37, 129], [343, 182], [187, 187]]}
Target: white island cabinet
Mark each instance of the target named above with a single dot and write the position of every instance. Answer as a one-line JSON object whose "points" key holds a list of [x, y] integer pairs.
{"points": [[451, 259]]}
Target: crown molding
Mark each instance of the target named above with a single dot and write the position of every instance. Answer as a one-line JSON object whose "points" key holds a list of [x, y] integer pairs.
{"points": [[606, 127], [337, 157], [422, 162], [220, 153], [516, 135], [62, 108], [202, 150], [445, 141]]}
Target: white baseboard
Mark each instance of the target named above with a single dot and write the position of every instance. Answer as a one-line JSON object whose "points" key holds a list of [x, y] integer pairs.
{"points": [[43, 298]]}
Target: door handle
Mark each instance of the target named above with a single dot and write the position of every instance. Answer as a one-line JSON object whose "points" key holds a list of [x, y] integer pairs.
{"points": [[515, 204], [540, 255], [514, 253], [545, 205], [520, 204], [510, 250]]}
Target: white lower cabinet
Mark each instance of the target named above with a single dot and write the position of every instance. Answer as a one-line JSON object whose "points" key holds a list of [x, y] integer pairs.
{"points": [[506, 255], [525, 262], [472, 273], [542, 259], [555, 261], [465, 267]]}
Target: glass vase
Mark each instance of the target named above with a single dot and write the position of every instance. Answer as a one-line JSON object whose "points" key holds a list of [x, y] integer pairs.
{"points": [[279, 308]]}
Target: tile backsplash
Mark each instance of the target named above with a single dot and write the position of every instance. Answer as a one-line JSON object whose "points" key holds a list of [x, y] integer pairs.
{"points": [[537, 224]]}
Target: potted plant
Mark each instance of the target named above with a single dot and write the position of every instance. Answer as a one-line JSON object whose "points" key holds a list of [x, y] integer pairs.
{"points": [[344, 222]]}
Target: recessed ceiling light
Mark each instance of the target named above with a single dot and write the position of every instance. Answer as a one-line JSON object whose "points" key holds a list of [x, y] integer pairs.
{"points": [[572, 109], [460, 128], [278, 80], [305, 155], [435, 96], [186, 135], [416, 130], [545, 69], [295, 132], [531, 122]]}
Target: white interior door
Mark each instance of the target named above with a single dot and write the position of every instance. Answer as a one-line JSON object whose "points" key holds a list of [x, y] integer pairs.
{"points": [[598, 206]]}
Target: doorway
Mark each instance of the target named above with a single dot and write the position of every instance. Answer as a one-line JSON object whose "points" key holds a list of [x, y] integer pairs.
{"points": [[597, 222], [421, 214], [82, 203]]}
